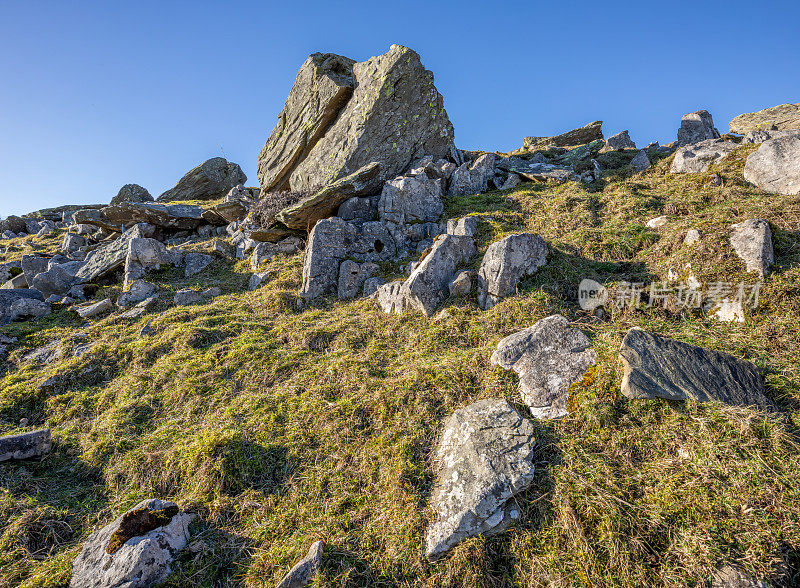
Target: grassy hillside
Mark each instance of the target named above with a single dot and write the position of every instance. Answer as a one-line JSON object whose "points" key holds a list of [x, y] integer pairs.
{"points": [[279, 427]]}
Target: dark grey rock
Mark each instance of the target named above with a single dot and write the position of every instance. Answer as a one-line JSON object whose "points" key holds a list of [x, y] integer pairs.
{"points": [[56, 280], [187, 297], [586, 134], [132, 193], [25, 445], [32, 265], [195, 263], [180, 217], [211, 179], [352, 276], [641, 162]]}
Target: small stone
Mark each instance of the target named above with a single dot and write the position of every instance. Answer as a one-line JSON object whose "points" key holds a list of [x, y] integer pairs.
{"points": [[257, 280], [93, 310], [692, 237], [139, 290], [752, 242], [641, 162], [657, 223], [25, 445], [512, 181], [305, 570], [187, 297], [212, 292], [196, 263]]}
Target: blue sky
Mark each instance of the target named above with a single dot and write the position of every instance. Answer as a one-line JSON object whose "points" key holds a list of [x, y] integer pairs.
{"points": [[95, 95]]}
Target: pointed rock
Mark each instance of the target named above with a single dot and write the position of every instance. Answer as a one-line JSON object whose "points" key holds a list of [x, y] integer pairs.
{"points": [[752, 242]]}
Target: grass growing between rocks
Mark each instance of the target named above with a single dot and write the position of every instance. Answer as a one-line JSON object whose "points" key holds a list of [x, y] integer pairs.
{"points": [[279, 427]]}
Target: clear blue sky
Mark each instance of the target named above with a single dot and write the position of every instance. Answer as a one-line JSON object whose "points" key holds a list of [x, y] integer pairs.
{"points": [[95, 95]]}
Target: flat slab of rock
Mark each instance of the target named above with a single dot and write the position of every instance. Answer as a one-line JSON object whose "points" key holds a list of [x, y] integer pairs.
{"points": [[775, 165], [168, 216], [485, 457], [25, 445], [659, 367], [305, 570], [93, 310], [211, 179], [141, 561], [549, 357], [111, 256], [752, 242], [697, 157], [505, 263], [537, 172], [785, 117], [586, 134]]}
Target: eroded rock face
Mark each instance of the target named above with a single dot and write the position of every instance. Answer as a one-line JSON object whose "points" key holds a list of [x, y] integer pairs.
{"points": [[145, 254], [549, 357], [473, 177], [775, 165], [485, 457], [16, 303], [697, 157], [658, 367], [184, 217], [505, 263], [752, 242], [537, 172], [132, 193], [785, 117], [695, 127], [140, 561], [352, 276], [586, 134], [211, 179], [395, 116]]}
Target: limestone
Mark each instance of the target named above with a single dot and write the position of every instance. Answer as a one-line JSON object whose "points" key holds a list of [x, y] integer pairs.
{"points": [[752, 242], [485, 457], [263, 252], [132, 193], [179, 217], [657, 222], [324, 203], [13, 223], [95, 309], [394, 117], [321, 89], [755, 137], [729, 311], [428, 284], [512, 181], [730, 577], [141, 561], [211, 179], [47, 353], [586, 134], [549, 357], [641, 162], [619, 141], [697, 157], [461, 284], [111, 256], [695, 127], [137, 291], [72, 243], [195, 263], [390, 297], [775, 166], [257, 280], [305, 570], [227, 212], [352, 276], [409, 199], [658, 367], [56, 280], [371, 286], [32, 265], [95, 218], [785, 117], [505, 263], [358, 209], [473, 178], [145, 254], [20, 302], [467, 226], [692, 237], [537, 172], [25, 445]]}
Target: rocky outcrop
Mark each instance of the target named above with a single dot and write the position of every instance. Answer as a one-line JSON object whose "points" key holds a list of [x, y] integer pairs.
{"points": [[697, 157], [785, 117], [211, 179], [695, 127], [658, 367], [485, 457], [752, 242], [505, 263], [111, 256], [586, 134], [352, 276], [131, 553], [305, 570], [394, 117], [167, 216], [143, 255], [25, 445], [549, 357], [775, 166], [132, 193], [473, 177], [619, 141]]}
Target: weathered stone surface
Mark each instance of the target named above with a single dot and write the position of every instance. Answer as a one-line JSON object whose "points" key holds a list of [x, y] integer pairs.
{"points": [[143, 255], [257, 280], [93, 310], [465, 226], [485, 457], [371, 286], [305, 570], [537, 172], [225, 212], [619, 141], [56, 280], [428, 284], [109, 257], [641, 162], [95, 218], [195, 263], [47, 353], [775, 165], [697, 157], [752, 242], [211, 179], [549, 357], [263, 252], [187, 297], [72, 243], [25, 445], [730, 577], [785, 117], [186, 217], [13, 223], [32, 265], [692, 237], [586, 134], [473, 178], [512, 181], [139, 290], [695, 127], [321, 89], [658, 367], [755, 137], [461, 284], [358, 209], [323, 204], [14, 302], [394, 117], [410, 199], [657, 222], [132, 193], [140, 562], [391, 298], [505, 263], [352, 276]]}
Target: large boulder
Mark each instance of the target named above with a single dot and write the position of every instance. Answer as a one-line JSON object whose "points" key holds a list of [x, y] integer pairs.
{"points": [[485, 457], [134, 551], [752, 242], [473, 177], [618, 142], [32, 265], [181, 217], [785, 117], [775, 165], [13, 223], [641, 162], [505, 263], [658, 367], [132, 193], [411, 199], [586, 134], [56, 280], [549, 357], [695, 127], [394, 117], [209, 180], [697, 157], [144, 255]]}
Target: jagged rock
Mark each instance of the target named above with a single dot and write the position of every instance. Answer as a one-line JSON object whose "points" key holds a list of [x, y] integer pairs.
{"points": [[95, 217], [32, 265], [225, 212], [619, 142], [730, 577], [352, 276], [391, 298], [427, 286], [505, 263], [537, 172], [265, 251], [512, 181], [358, 209], [187, 297], [305, 570], [323, 204], [211, 179], [13, 223], [752, 242], [140, 308], [466, 226], [461, 284], [775, 166], [72, 243], [411, 199], [473, 178], [695, 127], [132, 193], [145, 254], [45, 230], [658, 367], [321, 89], [641, 162], [196, 263], [56, 280], [435, 170], [13, 305], [697, 157], [111, 256], [576, 155], [549, 357], [142, 560], [394, 116], [25, 445], [586, 134], [93, 310], [485, 457], [371, 286], [692, 237], [785, 117], [181, 217], [137, 291], [257, 280], [754, 137]]}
